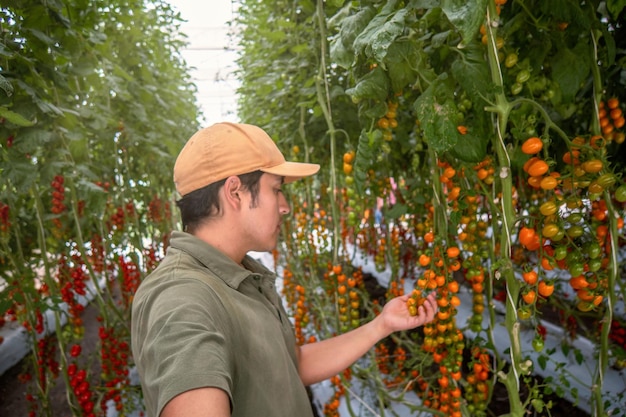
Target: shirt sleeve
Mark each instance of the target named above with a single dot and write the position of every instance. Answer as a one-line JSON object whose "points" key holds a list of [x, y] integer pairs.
{"points": [[185, 344]]}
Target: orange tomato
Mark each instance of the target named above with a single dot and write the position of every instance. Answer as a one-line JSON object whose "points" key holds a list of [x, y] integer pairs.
{"points": [[529, 297], [453, 252], [530, 277], [592, 166], [545, 289], [538, 168], [532, 146], [579, 282]]}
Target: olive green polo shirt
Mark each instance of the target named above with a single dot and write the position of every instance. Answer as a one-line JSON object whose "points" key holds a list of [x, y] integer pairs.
{"points": [[201, 320]]}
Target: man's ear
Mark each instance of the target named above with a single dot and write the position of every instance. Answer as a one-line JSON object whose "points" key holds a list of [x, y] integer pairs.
{"points": [[232, 191]]}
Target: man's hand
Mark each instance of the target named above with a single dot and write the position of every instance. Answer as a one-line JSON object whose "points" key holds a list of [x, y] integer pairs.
{"points": [[395, 315]]}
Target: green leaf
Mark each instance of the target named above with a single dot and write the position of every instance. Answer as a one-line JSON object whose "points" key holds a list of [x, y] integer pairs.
{"points": [[465, 15], [542, 360], [405, 61], [470, 70], [6, 86], [437, 114], [342, 46], [380, 33], [471, 148], [570, 68], [374, 85], [615, 7], [14, 118]]}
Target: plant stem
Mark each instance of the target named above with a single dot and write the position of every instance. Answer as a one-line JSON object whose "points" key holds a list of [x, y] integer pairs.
{"points": [[503, 108]]}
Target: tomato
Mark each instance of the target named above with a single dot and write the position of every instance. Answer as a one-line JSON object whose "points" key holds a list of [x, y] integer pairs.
{"points": [[620, 193], [524, 313], [594, 265], [528, 238], [522, 76], [545, 289], [606, 180], [348, 157], [516, 88], [548, 208], [576, 268], [593, 249], [538, 344], [578, 282], [511, 60], [532, 146], [575, 231], [548, 183], [574, 218], [530, 277], [560, 252], [529, 296], [592, 166], [538, 168], [595, 187], [550, 230]]}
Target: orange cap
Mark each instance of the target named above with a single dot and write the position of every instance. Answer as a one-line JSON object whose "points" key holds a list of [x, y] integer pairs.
{"points": [[224, 149]]}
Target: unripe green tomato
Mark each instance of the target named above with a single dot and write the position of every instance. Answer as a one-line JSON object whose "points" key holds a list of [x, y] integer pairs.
{"points": [[593, 249], [575, 231], [560, 252], [620, 193], [511, 60], [594, 265], [522, 76], [574, 218], [576, 268], [538, 344], [559, 235], [606, 180], [524, 313], [516, 88]]}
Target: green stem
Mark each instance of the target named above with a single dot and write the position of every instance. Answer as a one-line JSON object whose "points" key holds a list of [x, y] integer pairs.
{"points": [[505, 270], [323, 98]]}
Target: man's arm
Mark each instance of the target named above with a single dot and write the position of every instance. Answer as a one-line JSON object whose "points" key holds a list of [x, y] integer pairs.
{"points": [[201, 402], [322, 360]]}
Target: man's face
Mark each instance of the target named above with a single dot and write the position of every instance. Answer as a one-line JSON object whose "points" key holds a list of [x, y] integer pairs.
{"points": [[262, 220]]}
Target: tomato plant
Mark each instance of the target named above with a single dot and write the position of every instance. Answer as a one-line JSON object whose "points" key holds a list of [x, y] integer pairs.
{"points": [[487, 127], [88, 98]]}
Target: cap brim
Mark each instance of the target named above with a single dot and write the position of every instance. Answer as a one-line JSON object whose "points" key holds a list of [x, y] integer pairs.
{"points": [[293, 171]]}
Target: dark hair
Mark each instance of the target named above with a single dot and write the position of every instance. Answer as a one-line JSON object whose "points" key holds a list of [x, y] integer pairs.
{"points": [[200, 204]]}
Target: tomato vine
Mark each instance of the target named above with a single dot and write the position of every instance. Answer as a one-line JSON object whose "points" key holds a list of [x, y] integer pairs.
{"points": [[460, 119]]}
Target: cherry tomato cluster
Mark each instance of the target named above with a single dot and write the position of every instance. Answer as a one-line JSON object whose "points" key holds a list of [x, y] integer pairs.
{"points": [[348, 297], [5, 223], [618, 336], [82, 389], [131, 278], [389, 121], [72, 280], [114, 355], [159, 210], [479, 383], [331, 408], [612, 120], [58, 198], [97, 253]]}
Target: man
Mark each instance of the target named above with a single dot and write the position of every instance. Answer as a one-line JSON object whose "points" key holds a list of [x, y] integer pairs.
{"points": [[210, 336]]}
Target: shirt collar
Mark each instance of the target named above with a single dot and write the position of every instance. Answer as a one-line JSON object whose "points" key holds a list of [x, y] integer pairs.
{"points": [[216, 261]]}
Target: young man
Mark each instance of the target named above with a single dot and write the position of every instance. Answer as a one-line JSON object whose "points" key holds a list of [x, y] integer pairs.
{"points": [[210, 336]]}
